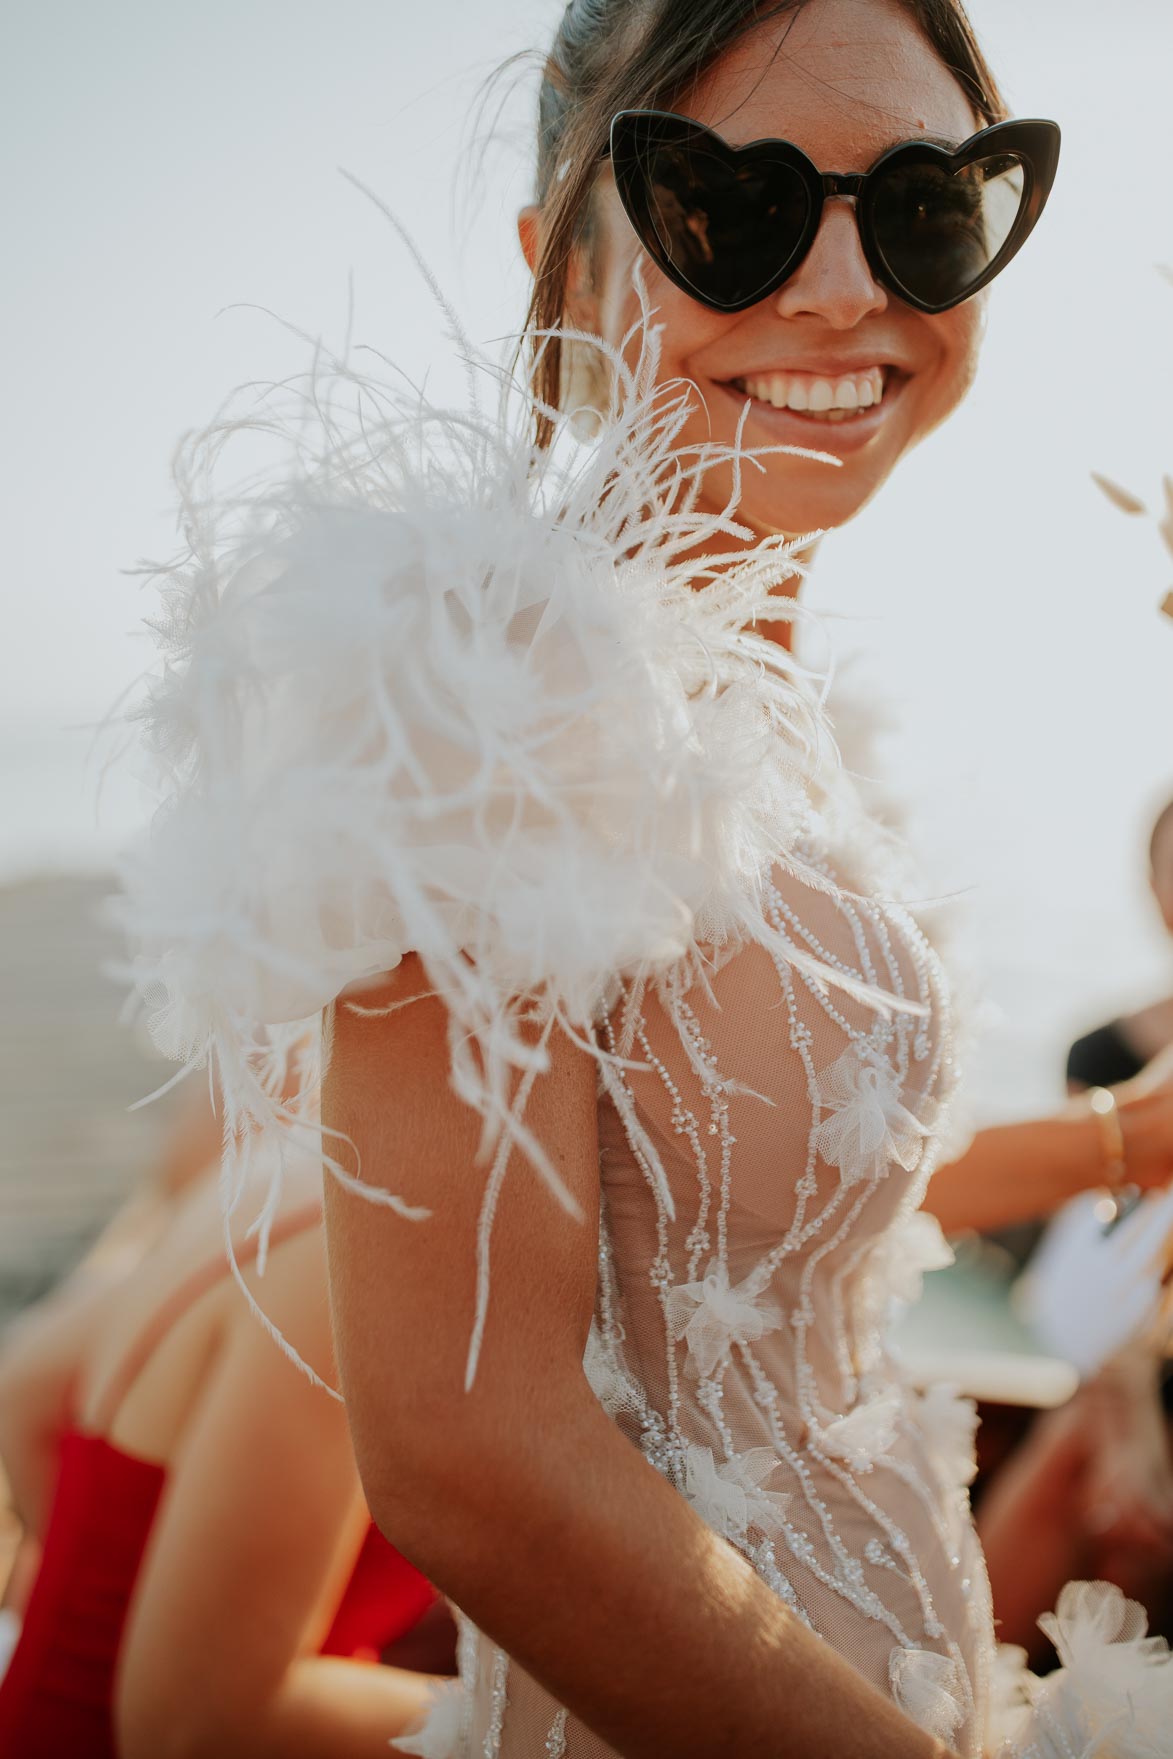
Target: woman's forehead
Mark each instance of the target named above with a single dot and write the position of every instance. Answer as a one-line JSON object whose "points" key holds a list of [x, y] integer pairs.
{"points": [[843, 79]]}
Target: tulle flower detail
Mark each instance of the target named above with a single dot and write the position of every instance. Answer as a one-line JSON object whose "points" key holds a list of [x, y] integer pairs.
{"points": [[949, 1425], [711, 1317], [1119, 1678], [908, 1251], [1091, 1618], [861, 1436], [895, 1277], [727, 1494], [439, 1735], [1113, 1696], [869, 1128], [929, 1689]]}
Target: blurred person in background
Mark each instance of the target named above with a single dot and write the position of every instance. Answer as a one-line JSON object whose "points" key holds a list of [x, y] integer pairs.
{"points": [[1088, 1495], [1123, 1047], [36, 1351], [1089, 1491], [208, 1581]]}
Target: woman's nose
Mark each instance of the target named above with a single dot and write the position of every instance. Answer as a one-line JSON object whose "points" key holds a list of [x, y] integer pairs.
{"points": [[834, 282]]}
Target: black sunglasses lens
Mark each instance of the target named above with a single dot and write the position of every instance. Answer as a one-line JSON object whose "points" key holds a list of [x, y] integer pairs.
{"points": [[723, 225], [939, 231]]}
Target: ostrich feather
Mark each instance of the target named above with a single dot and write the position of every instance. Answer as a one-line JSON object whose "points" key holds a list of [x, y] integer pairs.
{"points": [[423, 688]]}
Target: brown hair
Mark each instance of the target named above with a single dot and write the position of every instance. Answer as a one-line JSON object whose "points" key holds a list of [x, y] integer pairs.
{"points": [[611, 55]]}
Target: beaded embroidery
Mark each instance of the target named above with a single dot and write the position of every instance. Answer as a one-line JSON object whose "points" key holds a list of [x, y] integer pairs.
{"points": [[788, 1450]]}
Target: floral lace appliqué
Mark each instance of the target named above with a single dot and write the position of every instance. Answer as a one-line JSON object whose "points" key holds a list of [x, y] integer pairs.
{"points": [[949, 1425], [869, 1127], [864, 1434], [711, 1317], [928, 1689], [727, 1494]]}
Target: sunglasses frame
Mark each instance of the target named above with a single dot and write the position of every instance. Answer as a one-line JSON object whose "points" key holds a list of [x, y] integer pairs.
{"points": [[1035, 143]]}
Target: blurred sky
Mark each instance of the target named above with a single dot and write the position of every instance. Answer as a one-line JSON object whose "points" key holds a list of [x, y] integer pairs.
{"points": [[160, 163]]}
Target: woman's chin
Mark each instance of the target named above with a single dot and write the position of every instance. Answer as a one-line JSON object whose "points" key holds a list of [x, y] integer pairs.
{"points": [[821, 508], [794, 498]]}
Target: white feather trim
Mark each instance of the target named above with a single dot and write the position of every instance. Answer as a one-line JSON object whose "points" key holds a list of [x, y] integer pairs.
{"points": [[422, 689]]}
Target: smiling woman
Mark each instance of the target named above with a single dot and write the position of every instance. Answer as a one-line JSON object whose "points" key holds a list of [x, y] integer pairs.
{"points": [[500, 754], [844, 90]]}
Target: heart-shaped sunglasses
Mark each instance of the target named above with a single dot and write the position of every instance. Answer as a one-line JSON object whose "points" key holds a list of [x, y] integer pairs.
{"points": [[728, 225]]}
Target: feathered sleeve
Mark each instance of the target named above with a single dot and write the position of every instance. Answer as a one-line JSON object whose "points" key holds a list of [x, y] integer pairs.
{"points": [[422, 689]]}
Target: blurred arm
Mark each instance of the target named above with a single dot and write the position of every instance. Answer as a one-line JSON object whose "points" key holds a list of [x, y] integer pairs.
{"points": [[1018, 1172], [1023, 1172], [39, 1365]]}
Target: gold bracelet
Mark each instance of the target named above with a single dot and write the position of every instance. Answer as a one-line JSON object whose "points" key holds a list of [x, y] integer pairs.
{"points": [[1106, 1112]]}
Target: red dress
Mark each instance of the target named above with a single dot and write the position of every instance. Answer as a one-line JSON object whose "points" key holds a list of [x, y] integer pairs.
{"points": [[57, 1697]]}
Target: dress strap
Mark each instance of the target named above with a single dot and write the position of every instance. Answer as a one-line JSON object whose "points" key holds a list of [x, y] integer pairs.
{"points": [[181, 1299]]}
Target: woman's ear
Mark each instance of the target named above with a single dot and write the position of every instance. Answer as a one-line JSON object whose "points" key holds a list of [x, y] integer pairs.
{"points": [[529, 232], [581, 300], [583, 375]]}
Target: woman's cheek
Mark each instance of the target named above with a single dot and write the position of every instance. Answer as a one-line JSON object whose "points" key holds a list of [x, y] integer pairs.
{"points": [[622, 272], [960, 334]]}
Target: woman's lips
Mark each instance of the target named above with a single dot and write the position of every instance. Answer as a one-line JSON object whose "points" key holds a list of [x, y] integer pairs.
{"points": [[815, 410]]}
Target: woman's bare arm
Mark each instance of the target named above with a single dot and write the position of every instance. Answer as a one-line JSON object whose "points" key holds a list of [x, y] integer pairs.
{"points": [[521, 1499], [259, 1526]]}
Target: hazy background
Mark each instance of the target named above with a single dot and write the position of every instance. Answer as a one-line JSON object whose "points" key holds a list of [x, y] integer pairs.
{"points": [[162, 162]]}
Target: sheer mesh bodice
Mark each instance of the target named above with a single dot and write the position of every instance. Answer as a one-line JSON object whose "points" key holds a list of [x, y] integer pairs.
{"points": [[761, 1173]]}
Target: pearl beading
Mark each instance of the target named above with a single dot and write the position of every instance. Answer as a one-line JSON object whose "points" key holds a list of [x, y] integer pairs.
{"points": [[498, 1704], [901, 1038]]}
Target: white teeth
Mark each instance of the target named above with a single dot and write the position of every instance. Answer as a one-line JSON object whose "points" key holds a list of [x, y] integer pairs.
{"points": [[806, 394], [871, 388]]}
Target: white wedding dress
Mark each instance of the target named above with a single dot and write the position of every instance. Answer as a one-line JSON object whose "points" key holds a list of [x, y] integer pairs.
{"points": [[415, 696], [739, 1335]]}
